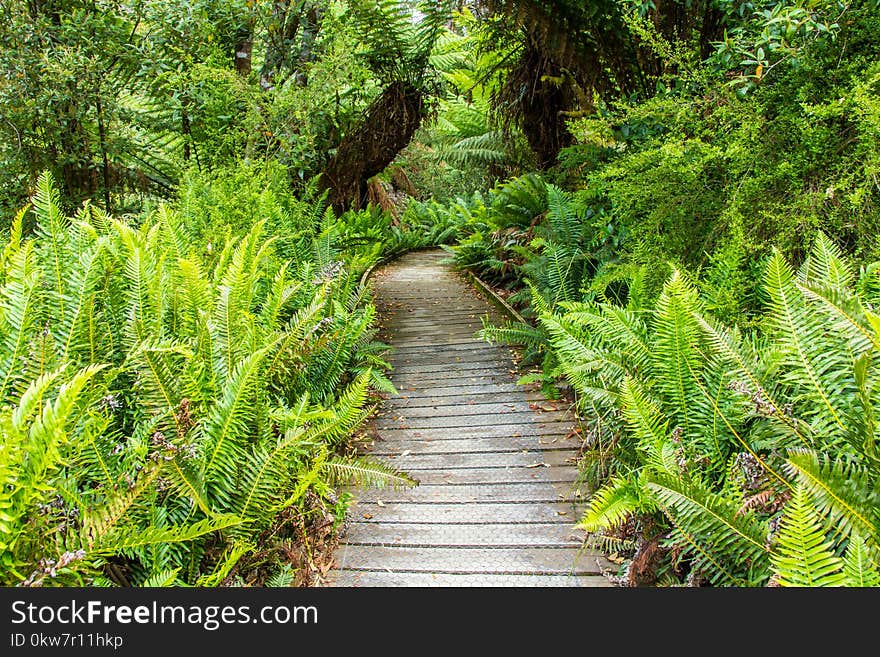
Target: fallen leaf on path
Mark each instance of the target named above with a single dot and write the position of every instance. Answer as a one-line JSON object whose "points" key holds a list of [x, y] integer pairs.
{"points": [[380, 502], [538, 465], [368, 515]]}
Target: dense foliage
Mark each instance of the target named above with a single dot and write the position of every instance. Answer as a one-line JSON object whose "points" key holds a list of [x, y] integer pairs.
{"points": [[681, 199], [168, 402]]}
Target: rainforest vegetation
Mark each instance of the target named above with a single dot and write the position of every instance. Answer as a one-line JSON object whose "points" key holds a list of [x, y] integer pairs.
{"points": [[681, 198]]}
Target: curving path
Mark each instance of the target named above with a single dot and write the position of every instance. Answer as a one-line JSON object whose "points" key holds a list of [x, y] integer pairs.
{"points": [[496, 503]]}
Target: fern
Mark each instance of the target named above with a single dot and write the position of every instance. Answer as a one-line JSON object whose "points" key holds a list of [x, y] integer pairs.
{"points": [[160, 535], [845, 492], [729, 546], [803, 555], [51, 229], [19, 300], [806, 351], [227, 422], [162, 579], [366, 472], [182, 400], [859, 568], [611, 505]]}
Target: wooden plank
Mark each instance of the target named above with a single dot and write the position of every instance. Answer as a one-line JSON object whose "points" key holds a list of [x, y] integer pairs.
{"points": [[544, 561], [357, 578], [497, 502]]}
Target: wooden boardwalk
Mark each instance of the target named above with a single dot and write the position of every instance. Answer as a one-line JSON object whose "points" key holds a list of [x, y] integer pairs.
{"points": [[496, 503]]}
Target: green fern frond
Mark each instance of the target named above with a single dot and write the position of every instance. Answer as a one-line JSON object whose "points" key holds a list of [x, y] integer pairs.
{"points": [[859, 568], [734, 540], [19, 303], [513, 333], [825, 265], [648, 426], [803, 555], [226, 427], [611, 505], [846, 493], [162, 579], [225, 564], [813, 361], [366, 472], [14, 243], [131, 540], [51, 230], [283, 578]]}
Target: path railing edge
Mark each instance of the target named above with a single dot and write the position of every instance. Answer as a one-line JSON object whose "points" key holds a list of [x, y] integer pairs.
{"points": [[493, 297]]}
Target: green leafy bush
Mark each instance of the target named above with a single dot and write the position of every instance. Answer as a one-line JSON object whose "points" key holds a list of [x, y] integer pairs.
{"points": [[750, 458], [163, 409]]}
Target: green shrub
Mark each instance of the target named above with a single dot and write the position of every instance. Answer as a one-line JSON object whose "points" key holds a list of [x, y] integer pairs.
{"points": [[749, 458], [161, 409]]}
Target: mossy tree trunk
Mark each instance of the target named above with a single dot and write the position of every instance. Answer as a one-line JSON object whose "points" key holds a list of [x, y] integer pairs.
{"points": [[386, 128]]}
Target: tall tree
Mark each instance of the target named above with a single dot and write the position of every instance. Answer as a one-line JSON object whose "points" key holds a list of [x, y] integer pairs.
{"points": [[397, 45], [565, 51]]}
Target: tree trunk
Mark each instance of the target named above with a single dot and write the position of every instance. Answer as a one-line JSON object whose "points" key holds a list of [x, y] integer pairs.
{"points": [[243, 49], [385, 130], [541, 104], [281, 33]]}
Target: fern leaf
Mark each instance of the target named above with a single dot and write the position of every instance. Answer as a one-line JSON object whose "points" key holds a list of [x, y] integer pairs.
{"points": [[130, 540], [19, 303], [825, 265], [812, 359], [161, 579], [844, 491], [859, 569], [736, 541], [611, 505], [803, 555], [226, 425], [363, 471], [51, 225]]}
